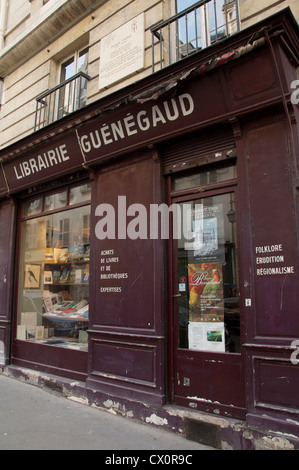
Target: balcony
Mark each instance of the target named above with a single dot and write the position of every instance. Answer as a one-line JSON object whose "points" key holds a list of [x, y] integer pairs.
{"points": [[204, 24], [65, 98]]}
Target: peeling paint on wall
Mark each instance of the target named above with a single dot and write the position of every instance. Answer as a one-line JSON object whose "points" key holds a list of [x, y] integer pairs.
{"points": [[154, 419], [273, 443]]}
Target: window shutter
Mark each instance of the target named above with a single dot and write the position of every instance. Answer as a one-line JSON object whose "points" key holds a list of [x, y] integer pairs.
{"points": [[198, 149]]}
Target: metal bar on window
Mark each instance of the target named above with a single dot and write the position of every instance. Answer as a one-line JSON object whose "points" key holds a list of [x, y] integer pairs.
{"points": [[177, 40], [50, 100], [80, 88], [226, 24], [187, 38], [216, 21], [161, 49], [206, 33], [49, 109], [169, 44], [206, 24], [153, 54], [196, 31], [35, 120], [54, 107], [238, 15]]}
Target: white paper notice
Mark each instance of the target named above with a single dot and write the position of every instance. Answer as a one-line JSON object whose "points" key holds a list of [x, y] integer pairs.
{"points": [[122, 52], [207, 336]]}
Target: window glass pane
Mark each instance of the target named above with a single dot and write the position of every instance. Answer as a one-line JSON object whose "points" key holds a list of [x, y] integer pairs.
{"points": [[206, 24], [55, 201], [80, 193], [83, 61], [82, 82], [67, 69], [183, 4], [53, 298], [208, 306], [201, 178], [32, 207]]}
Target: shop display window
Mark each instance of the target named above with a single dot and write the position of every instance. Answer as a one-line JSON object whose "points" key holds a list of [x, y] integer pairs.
{"points": [[53, 292]]}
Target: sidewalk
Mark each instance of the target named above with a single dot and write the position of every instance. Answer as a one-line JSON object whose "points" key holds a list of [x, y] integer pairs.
{"points": [[34, 419]]}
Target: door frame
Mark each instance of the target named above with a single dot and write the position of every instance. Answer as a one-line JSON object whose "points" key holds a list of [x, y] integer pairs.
{"points": [[172, 197]]}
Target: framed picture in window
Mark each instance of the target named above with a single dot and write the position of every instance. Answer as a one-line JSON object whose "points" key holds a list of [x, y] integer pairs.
{"points": [[48, 277], [32, 276]]}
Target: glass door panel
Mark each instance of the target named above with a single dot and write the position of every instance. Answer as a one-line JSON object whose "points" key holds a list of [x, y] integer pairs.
{"points": [[207, 269]]}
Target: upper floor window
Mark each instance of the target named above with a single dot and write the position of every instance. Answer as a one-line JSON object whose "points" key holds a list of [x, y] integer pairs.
{"points": [[69, 95], [183, 4], [74, 94], [77, 63], [195, 26], [207, 24]]}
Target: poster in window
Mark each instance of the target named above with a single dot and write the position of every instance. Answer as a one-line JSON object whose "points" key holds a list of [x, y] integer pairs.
{"points": [[32, 276], [207, 336], [208, 234], [205, 292]]}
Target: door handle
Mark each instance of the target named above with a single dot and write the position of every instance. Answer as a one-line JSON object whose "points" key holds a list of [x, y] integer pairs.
{"points": [[177, 295]]}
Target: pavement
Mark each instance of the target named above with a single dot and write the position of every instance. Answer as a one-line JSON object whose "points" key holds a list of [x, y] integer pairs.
{"points": [[34, 419]]}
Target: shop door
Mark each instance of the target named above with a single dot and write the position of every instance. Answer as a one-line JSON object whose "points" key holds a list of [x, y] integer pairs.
{"points": [[206, 318]]}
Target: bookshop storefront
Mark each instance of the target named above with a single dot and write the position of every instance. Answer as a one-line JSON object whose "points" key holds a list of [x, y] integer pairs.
{"points": [[148, 250]]}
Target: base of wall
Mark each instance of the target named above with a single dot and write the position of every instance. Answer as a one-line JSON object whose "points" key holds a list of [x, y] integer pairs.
{"points": [[215, 431]]}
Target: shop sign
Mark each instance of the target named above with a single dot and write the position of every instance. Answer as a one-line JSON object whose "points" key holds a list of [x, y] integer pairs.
{"points": [[125, 129], [49, 161], [97, 140], [271, 260], [135, 127]]}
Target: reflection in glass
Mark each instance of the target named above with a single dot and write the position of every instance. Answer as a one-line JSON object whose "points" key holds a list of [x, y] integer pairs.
{"points": [[203, 177], [209, 315], [80, 194], [206, 24], [55, 201], [32, 207]]}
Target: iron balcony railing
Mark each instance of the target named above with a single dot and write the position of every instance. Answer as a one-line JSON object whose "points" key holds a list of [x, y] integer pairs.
{"points": [[65, 98], [197, 27]]}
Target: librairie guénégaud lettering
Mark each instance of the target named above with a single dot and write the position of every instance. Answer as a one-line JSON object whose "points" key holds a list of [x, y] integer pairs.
{"points": [[137, 123], [44, 160]]}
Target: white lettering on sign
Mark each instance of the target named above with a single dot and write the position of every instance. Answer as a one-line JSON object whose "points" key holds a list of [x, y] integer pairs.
{"points": [[107, 260], [43, 161], [272, 271], [268, 248], [132, 124], [271, 259]]}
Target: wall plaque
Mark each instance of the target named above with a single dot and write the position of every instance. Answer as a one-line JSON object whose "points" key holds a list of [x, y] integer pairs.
{"points": [[122, 52]]}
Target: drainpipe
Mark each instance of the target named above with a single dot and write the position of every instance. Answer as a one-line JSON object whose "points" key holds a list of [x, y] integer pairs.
{"points": [[3, 12]]}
